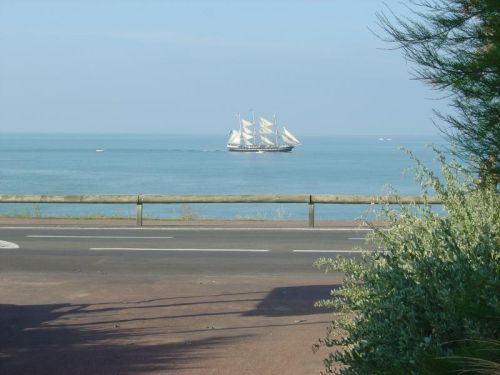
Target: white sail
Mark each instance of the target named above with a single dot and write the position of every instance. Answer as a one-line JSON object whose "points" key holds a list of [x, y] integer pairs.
{"points": [[247, 142], [247, 127], [247, 131], [247, 136], [264, 122], [234, 137], [287, 140], [266, 141], [266, 130], [290, 136], [265, 127], [246, 123]]}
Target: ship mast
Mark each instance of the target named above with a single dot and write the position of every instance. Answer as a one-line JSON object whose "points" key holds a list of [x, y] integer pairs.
{"points": [[239, 121], [275, 130], [254, 127]]}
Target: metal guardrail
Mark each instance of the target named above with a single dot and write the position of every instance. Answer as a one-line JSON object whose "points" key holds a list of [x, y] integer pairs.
{"points": [[140, 200]]}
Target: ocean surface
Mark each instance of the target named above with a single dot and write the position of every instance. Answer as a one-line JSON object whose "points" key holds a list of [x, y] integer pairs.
{"points": [[175, 164]]}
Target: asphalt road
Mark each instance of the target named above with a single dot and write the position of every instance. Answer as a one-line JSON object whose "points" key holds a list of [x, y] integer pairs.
{"points": [[174, 251], [152, 301]]}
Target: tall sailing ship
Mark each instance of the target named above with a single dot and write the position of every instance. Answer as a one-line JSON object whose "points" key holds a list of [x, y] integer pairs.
{"points": [[264, 137]]}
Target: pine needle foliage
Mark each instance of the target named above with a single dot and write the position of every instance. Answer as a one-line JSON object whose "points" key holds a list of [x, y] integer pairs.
{"points": [[432, 282], [455, 45]]}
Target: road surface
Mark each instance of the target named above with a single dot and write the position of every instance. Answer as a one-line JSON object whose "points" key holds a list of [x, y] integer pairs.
{"points": [[151, 301], [175, 251]]}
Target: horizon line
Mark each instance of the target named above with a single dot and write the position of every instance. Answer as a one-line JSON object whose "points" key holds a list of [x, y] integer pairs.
{"points": [[381, 134]]}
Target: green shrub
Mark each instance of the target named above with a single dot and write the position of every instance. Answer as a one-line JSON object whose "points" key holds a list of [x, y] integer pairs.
{"points": [[432, 284]]}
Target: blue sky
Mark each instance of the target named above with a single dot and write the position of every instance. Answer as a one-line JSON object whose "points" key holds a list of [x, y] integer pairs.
{"points": [[187, 67]]}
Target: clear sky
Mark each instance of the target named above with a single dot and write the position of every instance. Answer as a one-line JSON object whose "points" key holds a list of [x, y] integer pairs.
{"points": [[189, 66]]}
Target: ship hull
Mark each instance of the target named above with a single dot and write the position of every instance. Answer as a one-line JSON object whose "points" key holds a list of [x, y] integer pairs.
{"points": [[260, 148]]}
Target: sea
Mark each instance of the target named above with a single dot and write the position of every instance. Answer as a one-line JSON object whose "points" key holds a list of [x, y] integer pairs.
{"points": [[200, 164]]}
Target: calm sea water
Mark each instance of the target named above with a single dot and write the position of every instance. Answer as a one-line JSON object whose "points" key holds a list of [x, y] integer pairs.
{"points": [[168, 164]]}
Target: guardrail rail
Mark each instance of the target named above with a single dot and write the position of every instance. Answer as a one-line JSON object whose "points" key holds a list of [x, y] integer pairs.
{"points": [[141, 199]]}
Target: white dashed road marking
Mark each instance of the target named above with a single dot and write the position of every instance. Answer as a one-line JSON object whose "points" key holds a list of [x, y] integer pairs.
{"points": [[110, 237], [8, 245], [155, 249], [327, 251]]}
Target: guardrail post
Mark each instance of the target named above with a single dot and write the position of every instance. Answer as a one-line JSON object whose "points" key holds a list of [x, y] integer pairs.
{"points": [[311, 214], [138, 212]]}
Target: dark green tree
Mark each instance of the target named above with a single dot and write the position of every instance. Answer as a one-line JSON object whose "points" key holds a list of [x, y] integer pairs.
{"points": [[455, 46]]}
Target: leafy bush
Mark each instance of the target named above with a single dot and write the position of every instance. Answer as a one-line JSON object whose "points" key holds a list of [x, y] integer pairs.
{"points": [[432, 284]]}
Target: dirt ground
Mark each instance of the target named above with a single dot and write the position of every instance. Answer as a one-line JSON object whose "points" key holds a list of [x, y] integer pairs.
{"points": [[95, 324]]}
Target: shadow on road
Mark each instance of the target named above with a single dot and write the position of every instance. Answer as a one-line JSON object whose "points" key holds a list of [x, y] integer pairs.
{"points": [[29, 345], [293, 300], [157, 335]]}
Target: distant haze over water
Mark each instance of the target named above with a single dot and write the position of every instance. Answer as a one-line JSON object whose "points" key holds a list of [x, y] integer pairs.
{"points": [[189, 66], [182, 164]]}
